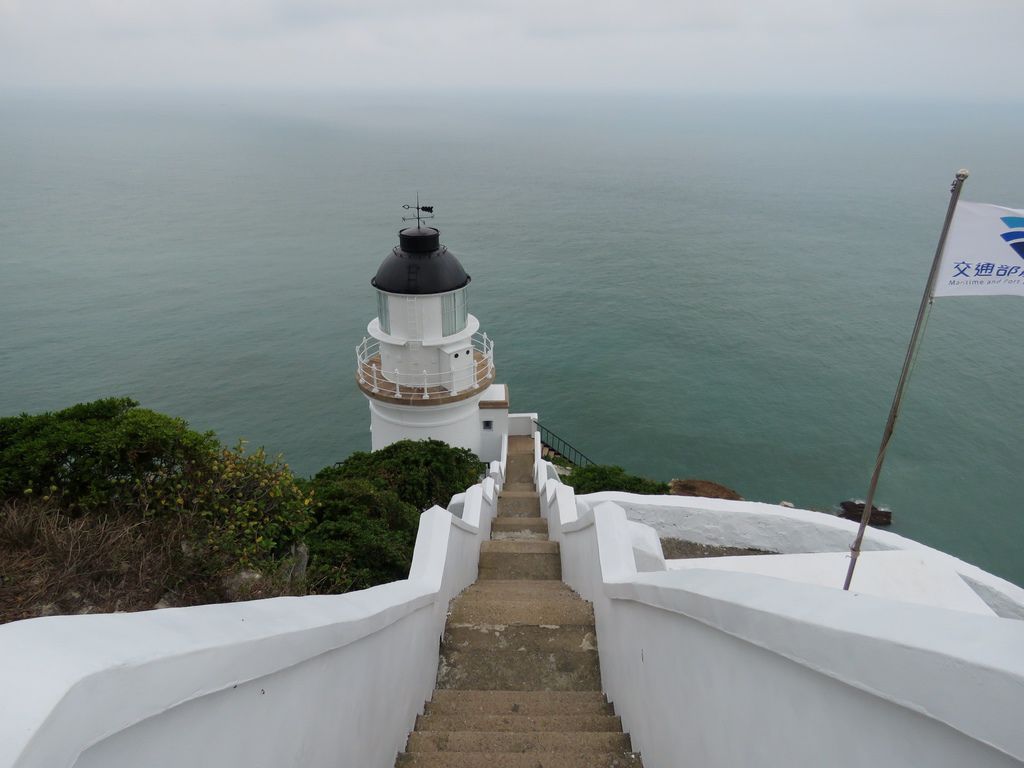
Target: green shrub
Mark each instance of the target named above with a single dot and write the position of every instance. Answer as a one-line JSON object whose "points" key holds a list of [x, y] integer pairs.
{"points": [[194, 511], [362, 536], [112, 457], [254, 509], [367, 510], [89, 456], [421, 472], [606, 477]]}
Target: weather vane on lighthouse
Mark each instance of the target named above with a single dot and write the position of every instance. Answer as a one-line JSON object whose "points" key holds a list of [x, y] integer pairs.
{"points": [[420, 210]]}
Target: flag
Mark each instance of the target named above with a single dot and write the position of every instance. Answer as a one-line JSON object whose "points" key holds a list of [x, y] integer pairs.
{"points": [[984, 253]]}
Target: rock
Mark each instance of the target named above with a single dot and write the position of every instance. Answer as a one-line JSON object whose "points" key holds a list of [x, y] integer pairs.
{"points": [[167, 600], [705, 488], [189, 548], [852, 510], [295, 571], [240, 585], [787, 504]]}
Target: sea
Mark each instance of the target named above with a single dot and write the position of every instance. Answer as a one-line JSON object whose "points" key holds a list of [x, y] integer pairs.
{"points": [[686, 285]]}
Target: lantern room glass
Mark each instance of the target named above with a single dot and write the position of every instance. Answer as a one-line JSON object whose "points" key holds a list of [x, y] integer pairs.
{"points": [[454, 312]]}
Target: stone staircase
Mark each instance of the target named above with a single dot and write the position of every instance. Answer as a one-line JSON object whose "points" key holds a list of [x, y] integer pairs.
{"points": [[519, 683]]}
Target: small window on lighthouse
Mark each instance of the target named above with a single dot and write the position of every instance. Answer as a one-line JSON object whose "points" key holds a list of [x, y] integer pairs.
{"points": [[454, 312], [382, 312]]}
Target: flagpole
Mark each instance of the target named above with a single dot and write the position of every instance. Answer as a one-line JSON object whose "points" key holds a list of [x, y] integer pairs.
{"points": [[954, 197]]}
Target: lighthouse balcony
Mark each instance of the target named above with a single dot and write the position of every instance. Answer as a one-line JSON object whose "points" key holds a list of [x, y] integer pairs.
{"points": [[425, 387]]}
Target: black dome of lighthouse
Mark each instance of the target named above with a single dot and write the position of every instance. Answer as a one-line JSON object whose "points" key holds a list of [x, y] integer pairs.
{"points": [[419, 265]]}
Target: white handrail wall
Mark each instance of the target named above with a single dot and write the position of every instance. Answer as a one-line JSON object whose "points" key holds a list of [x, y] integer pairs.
{"points": [[522, 423], [539, 472], [734, 669], [722, 522], [317, 681], [368, 362], [503, 457]]}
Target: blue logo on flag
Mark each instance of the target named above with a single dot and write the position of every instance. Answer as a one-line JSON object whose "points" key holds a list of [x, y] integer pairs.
{"points": [[1015, 238]]}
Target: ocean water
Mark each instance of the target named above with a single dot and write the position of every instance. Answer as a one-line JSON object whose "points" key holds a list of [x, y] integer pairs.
{"points": [[686, 286]]}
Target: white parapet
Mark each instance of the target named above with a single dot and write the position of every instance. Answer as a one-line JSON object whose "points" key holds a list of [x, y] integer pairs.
{"points": [[320, 681], [755, 664], [774, 528]]}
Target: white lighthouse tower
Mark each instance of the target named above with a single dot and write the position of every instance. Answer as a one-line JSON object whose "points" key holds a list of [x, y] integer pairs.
{"points": [[426, 369]]}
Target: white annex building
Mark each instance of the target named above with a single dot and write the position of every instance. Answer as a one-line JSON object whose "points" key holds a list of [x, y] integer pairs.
{"points": [[538, 627], [426, 368]]}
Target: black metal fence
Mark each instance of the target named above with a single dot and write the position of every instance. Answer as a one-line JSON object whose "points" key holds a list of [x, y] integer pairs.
{"points": [[561, 447]]}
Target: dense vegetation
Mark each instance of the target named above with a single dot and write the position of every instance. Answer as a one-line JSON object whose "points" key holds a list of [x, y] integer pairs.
{"points": [[607, 477], [108, 506], [368, 507]]}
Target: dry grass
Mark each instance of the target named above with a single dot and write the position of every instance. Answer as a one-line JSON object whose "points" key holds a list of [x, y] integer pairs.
{"points": [[51, 563], [679, 549]]}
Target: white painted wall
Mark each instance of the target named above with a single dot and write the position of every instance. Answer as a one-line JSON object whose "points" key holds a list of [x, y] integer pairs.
{"points": [[490, 440], [313, 681], [730, 670], [411, 349], [455, 423], [521, 423]]}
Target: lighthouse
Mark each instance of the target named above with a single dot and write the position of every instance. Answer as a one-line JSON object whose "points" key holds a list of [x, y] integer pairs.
{"points": [[425, 367]]}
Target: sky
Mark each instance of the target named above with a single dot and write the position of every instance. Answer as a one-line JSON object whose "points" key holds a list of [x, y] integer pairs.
{"points": [[926, 48]]}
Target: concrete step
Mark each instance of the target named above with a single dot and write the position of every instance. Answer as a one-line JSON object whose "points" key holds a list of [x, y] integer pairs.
{"points": [[499, 564], [518, 486], [462, 721], [520, 559], [519, 547], [510, 637], [553, 612], [519, 702], [500, 741], [501, 596], [472, 595], [533, 525], [520, 587], [518, 536], [519, 504], [518, 670], [498, 608], [519, 469], [520, 567], [611, 759], [520, 444]]}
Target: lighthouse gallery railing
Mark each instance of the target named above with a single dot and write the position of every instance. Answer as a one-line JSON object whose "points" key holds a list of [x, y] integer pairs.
{"points": [[424, 385]]}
